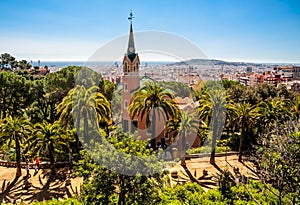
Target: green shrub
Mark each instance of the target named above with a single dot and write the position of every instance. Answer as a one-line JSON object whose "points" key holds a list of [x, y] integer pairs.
{"points": [[207, 149], [11, 156], [255, 193]]}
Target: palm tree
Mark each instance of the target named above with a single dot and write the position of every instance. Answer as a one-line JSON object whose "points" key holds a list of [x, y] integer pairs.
{"points": [[47, 137], [185, 125], [85, 108], [244, 116], [212, 110], [15, 130], [273, 112], [295, 108], [151, 97]]}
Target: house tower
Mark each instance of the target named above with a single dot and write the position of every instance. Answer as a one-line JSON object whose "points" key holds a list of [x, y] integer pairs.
{"points": [[131, 80]]}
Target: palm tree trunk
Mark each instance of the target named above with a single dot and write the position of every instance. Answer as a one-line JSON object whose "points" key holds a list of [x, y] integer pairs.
{"points": [[183, 150], [18, 158], [240, 146], [85, 126], [51, 156], [213, 141], [241, 142], [76, 136], [153, 131], [213, 153], [121, 200]]}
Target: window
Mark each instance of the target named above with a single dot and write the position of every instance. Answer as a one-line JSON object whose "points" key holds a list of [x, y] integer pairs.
{"points": [[125, 87], [125, 68], [125, 104]]}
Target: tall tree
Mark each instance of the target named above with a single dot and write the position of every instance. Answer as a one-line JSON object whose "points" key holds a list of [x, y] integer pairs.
{"points": [[23, 65], [48, 138], [212, 110], [244, 116], [295, 108], [186, 125], [8, 62], [84, 109], [273, 111], [14, 94], [153, 101], [16, 131]]}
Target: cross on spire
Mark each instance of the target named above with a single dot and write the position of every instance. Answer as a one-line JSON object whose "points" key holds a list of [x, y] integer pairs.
{"points": [[130, 16], [130, 49]]}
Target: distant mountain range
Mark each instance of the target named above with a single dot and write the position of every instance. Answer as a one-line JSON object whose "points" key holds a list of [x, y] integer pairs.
{"points": [[220, 62]]}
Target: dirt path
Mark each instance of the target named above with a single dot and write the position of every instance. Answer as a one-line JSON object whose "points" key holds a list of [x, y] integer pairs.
{"points": [[195, 166], [44, 186]]}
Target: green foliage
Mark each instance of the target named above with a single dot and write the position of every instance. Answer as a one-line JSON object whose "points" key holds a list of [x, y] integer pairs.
{"points": [[16, 131], [47, 140], [207, 149], [278, 160], [7, 62], [256, 115], [179, 89], [225, 182], [103, 184], [254, 193], [227, 84], [190, 193], [14, 96], [212, 111], [11, 156], [186, 126], [147, 100]]}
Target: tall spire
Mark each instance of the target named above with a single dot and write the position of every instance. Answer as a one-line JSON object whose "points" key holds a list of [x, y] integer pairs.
{"points": [[130, 49]]}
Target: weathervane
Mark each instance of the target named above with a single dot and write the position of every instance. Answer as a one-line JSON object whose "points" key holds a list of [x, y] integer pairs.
{"points": [[130, 16]]}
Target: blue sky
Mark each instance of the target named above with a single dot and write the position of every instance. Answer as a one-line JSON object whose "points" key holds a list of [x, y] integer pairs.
{"points": [[240, 30]]}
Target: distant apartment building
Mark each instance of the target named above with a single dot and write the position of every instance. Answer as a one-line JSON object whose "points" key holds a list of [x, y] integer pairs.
{"points": [[270, 77], [296, 72]]}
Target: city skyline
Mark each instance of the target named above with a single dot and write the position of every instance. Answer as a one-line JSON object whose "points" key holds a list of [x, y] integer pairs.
{"points": [[250, 31]]}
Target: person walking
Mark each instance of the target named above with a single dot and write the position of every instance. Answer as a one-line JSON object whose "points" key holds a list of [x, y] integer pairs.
{"points": [[37, 165], [27, 169]]}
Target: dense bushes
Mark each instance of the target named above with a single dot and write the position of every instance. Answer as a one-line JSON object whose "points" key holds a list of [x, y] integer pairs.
{"points": [[193, 194]]}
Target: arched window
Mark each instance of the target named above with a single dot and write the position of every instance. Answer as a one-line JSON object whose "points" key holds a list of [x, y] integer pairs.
{"points": [[125, 68]]}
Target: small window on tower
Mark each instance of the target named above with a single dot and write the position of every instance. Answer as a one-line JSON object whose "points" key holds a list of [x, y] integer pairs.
{"points": [[125, 68], [125, 104], [125, 87]]}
